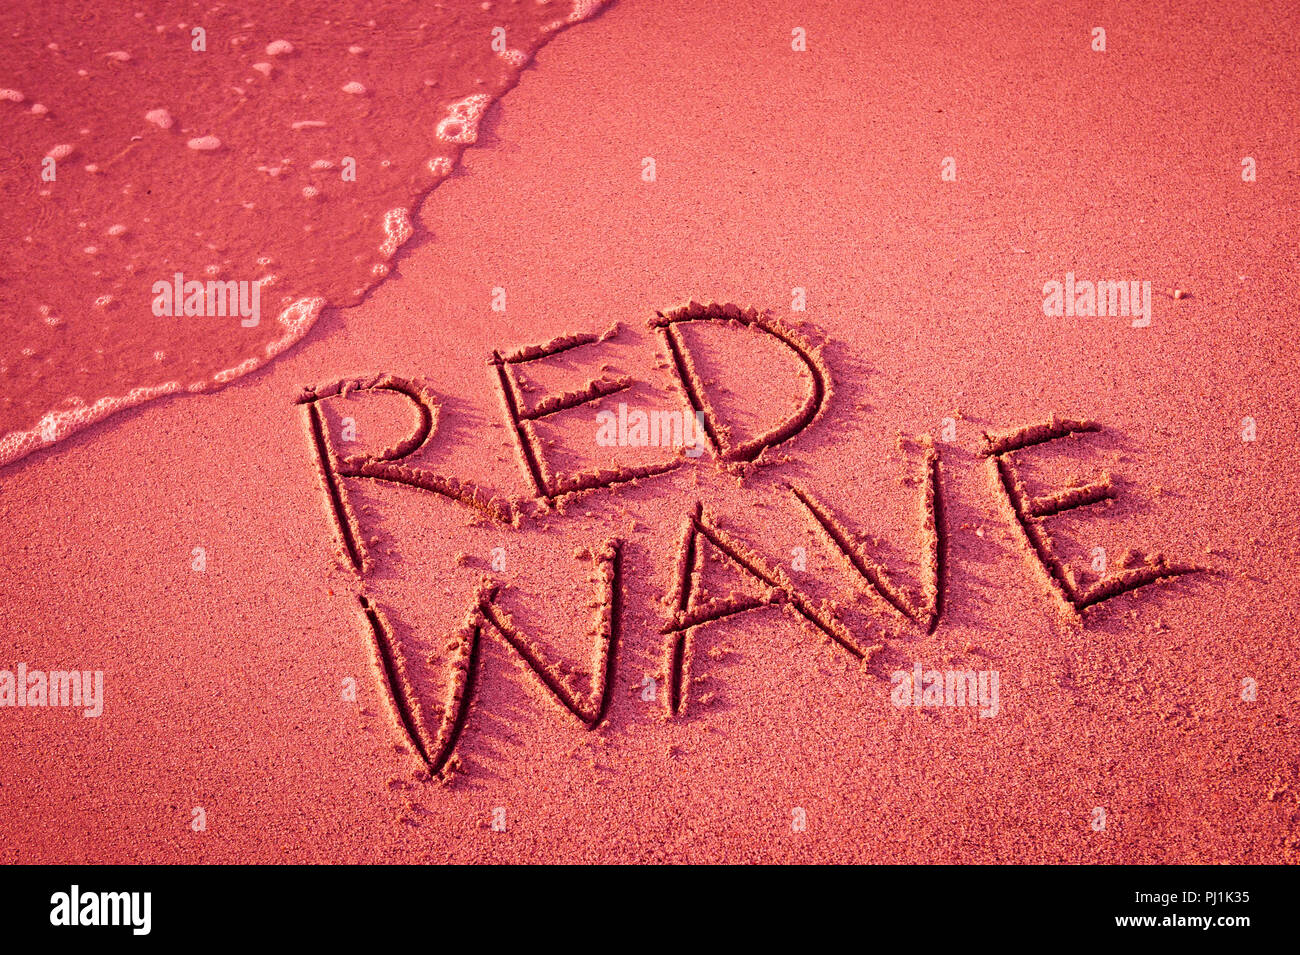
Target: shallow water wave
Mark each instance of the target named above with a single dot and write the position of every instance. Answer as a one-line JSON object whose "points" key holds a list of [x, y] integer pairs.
{"points": [[187, 188]]}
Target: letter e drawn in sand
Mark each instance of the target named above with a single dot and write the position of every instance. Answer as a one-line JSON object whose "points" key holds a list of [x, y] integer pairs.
{"points": [[545, 484], [1029, 513]]}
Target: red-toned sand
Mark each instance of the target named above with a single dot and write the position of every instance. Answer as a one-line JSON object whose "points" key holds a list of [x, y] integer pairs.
{"points": [[774, 170]]}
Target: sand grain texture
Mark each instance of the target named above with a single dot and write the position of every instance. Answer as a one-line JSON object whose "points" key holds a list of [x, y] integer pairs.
{"points": [[774, 170]]}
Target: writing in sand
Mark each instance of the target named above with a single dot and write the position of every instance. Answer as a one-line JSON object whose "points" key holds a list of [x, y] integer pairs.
{"points": [[433, 731]]}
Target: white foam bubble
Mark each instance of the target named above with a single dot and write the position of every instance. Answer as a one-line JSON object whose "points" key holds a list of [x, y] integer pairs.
{"points": [[243, 368], [204, 143], [354, 88], [296, 319], [13, 96], [397, 230], [279, 48], [584, 8], [460, 125], [160, 118]]}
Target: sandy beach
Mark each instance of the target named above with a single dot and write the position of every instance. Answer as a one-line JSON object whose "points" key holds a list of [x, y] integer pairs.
{"points": [[393, 595]]}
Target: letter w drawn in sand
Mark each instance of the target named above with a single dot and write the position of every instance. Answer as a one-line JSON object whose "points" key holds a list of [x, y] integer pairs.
{"points": [[435, 737]]}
